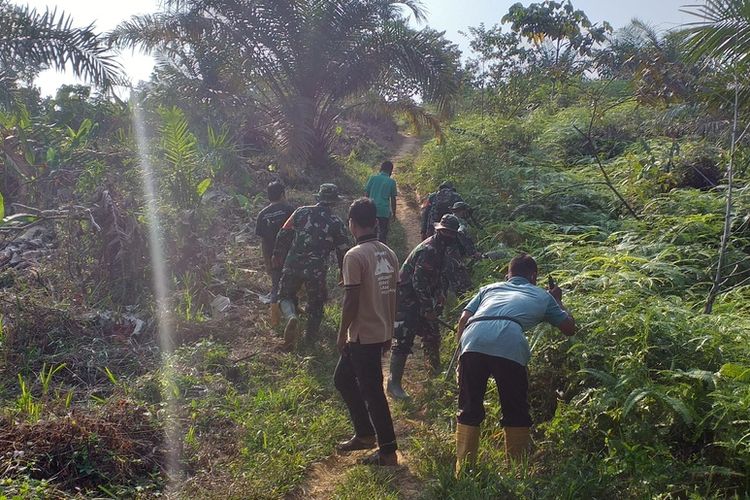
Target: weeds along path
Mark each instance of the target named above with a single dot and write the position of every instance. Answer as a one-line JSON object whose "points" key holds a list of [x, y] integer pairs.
{"points": [[339, 476]]}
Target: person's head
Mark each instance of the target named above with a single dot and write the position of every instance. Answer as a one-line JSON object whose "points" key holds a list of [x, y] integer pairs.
{"points": [[328, 194], [523, 265], [386, 167], [275, 191], [448, 226], [446, 185], [362, 217], [461, 209]]}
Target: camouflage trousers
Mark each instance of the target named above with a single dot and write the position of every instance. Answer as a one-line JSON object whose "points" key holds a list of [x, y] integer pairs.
{"points": [[314, 281], [410, 324], [460, 278]]}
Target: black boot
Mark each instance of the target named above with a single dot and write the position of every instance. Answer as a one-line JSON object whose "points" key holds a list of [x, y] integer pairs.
{"points": [[398, 361]]}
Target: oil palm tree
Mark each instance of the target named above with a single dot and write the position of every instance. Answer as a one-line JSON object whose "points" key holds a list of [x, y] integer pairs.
{"points": [[303, 63], [32, 41]]}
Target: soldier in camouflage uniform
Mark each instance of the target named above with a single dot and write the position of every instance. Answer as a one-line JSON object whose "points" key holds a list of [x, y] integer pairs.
{"points": [[436, 205], [310, 235], [421, 293], [459, 276]]}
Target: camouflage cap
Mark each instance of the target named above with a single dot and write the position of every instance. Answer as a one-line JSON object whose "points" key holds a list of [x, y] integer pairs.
{"points": [[460, 205], [328, 193], [446, 185], [448, 222]]}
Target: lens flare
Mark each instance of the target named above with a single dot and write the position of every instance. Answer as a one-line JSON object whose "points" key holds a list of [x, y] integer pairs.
{"points": [[161, 287]]}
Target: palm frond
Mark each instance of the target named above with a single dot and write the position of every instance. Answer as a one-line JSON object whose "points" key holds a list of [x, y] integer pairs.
{"points": [[722, 33], [41, 40]]}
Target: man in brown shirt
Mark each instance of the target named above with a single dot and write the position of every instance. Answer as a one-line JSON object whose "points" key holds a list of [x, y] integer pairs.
{"points": [[369, 310]]}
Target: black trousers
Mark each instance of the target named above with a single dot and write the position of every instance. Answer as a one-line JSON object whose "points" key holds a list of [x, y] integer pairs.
{"points": [[383, 227], [359, 379], [474, 370], [275, 275]]}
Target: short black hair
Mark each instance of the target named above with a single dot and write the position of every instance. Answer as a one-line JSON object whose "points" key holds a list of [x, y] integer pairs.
{"points": [[275, 190], [523, 265], [362, 212], [386, 167]]}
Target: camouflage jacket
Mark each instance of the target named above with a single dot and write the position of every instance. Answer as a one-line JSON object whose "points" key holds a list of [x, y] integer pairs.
{"points": [[466, 239], [423, 272], [436, 205], [310, 235]]}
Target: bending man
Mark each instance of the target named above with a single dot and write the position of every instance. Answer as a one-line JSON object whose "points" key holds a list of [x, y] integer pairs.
{"points": [[492, 343]]}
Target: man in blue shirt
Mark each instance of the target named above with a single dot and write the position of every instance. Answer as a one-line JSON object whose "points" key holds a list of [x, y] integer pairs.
{"points": [[492, 343], [381, 189]]}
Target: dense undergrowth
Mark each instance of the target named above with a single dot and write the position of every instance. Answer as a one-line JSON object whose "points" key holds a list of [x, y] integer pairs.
{"points": [[651, 397]]}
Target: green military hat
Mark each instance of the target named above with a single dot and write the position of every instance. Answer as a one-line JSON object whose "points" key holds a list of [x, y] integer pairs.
{"points": [[448, 222], [446, 185], [460, 205], [328, 193]]}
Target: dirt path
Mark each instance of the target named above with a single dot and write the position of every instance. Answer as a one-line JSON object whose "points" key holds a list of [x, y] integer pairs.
{"points": [[407, 204], [323, 477]]}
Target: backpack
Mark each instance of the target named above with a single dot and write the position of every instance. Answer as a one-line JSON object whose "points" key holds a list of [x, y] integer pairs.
{"points": [[442, 203]]}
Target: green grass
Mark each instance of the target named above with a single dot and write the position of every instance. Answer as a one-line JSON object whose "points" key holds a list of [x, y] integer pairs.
{"points": [[282, 407], [367, 482]]}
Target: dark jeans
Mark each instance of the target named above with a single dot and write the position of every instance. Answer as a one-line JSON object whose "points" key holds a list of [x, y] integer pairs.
{"points": [[359, 379], [474, 370], [275, 275], [383, 226]]}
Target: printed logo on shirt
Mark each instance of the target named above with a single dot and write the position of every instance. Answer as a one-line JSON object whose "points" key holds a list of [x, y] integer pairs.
{"points": [[384, 272]]}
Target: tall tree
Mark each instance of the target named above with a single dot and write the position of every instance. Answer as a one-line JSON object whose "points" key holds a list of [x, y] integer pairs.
{"points": [[564, 33], [303, 63]]}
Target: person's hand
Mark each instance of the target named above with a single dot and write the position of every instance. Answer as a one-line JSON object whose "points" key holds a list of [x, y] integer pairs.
{"points": [[430, 315], [341, 279], [556, 292], [277, 262], [387, 346], [341, 344]]}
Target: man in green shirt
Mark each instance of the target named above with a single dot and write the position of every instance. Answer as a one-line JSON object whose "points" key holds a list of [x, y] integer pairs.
{"points": [[381, 189]]}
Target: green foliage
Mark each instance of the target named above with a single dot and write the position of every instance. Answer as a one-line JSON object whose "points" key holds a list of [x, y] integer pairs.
{"points": [[183, 175], [649, 397]]}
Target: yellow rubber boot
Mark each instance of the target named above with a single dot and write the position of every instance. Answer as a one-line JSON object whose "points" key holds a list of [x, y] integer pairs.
{"points": [[275, 315], [467, 446], [517, 440]]}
